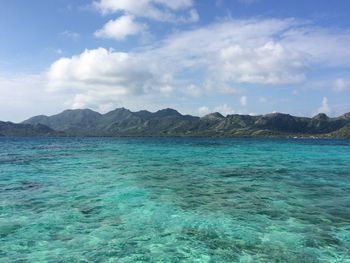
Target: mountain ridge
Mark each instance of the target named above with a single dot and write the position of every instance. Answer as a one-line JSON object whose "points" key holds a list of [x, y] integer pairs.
{"points": [[19, 129], [169, 122]]}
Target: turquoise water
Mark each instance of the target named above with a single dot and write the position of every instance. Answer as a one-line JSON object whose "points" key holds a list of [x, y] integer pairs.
{"points": [[174, 200]]}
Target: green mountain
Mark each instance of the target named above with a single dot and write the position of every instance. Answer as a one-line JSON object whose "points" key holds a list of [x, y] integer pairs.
{"points": [[169, 122], [13, 129]]}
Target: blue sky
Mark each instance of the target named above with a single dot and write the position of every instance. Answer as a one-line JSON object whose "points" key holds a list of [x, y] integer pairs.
{"points": [[232, 56]]}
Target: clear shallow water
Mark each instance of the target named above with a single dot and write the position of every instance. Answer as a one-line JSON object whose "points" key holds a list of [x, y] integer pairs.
{"points": [[174, 200]]}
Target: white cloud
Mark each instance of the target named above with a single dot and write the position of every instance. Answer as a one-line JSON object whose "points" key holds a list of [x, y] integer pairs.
{"points": [[23, 96], [224, 109], [325, 108], [337, 84], [326, 46], [97, 74], [253, 51], [162, 10], [258, 51], [270, 63], [245, 53], [193, 16], [193, 91], [98, 68], [204, 110], [341, 84], [243, 101], [120, 28]]}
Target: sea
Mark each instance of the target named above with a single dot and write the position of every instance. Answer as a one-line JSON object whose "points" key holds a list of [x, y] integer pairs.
{"points": [[174, 200]]}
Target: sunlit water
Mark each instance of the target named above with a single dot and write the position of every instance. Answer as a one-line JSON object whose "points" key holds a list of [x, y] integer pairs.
{"points": [[174, 200]]}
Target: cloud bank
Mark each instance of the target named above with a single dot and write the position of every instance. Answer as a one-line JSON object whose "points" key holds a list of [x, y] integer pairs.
{"points": [[267, 52], [219, 59]]}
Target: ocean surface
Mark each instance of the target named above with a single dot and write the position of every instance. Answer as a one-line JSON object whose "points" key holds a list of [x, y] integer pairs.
{"points": [[174, 200]]}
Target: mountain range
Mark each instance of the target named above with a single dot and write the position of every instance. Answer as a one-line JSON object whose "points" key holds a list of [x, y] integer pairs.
{"points": [[169, 122]]}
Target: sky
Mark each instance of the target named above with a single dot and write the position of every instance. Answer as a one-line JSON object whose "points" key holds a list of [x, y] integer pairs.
{"points": [[196, 56]]}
